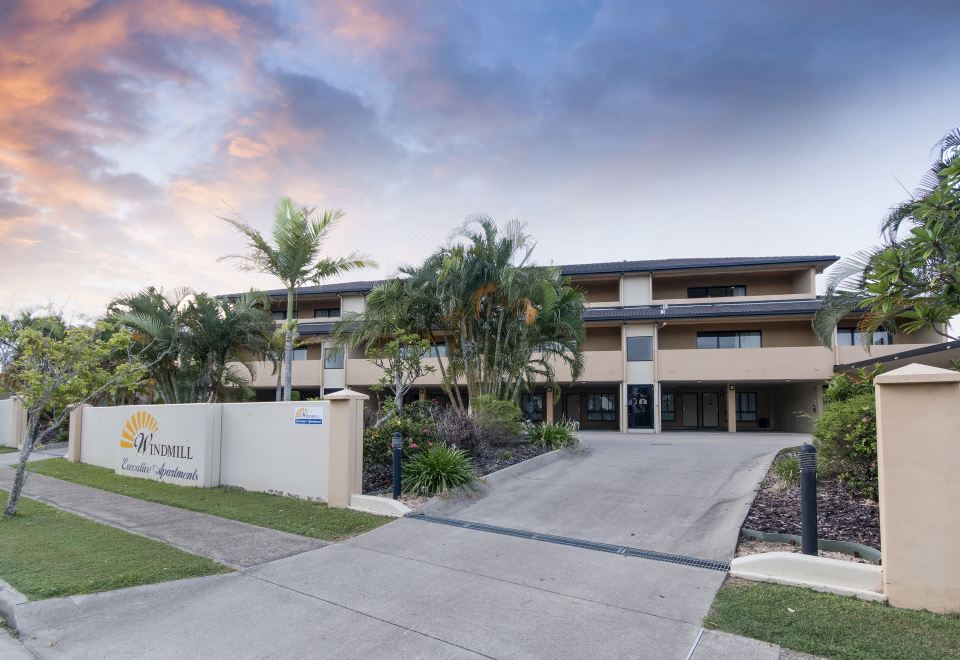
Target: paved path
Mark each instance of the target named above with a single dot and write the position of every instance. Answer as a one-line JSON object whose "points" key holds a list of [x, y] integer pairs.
{"points": [[51, 451], [229, 542], [423, 590]]}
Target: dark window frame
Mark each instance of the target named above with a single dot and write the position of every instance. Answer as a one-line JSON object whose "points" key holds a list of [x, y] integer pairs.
{"points": [[338, 355], [668, 411], [645, 349], [850, 336], [721, 291], [746, 406], [717, 335], [533, 405], [302, 352], [595, 409]]}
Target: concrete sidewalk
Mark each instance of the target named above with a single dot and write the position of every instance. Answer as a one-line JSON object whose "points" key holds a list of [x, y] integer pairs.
{"points": [[50, 451], [230, 542]]}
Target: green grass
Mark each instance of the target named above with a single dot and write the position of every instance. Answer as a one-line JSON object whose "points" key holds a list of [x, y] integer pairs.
{"points": [[288, 514], [7, 450], [46, 552], [832, 626]]}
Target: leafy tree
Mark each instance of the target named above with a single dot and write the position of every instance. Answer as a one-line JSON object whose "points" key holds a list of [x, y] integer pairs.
{"points": [[912, 281], [293, 257], [401, 359], [200, 348], [52, 372], [505, 322]]}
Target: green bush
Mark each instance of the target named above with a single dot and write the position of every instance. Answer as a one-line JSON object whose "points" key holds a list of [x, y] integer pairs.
{"points": [[417, 427], [554, 436], [437, 469], [497, 422], [787, 468], [845, 434]]}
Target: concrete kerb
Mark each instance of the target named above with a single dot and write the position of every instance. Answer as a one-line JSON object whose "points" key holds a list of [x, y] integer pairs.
{"points": [[379, 506], [10, 598], [836, 576]]}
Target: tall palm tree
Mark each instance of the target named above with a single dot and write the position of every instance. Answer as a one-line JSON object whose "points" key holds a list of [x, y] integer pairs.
{"points": [[293, 257]]}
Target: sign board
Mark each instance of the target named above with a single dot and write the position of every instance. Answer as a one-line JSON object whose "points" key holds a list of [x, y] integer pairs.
{"points": [[308, 415], [154, 449]]}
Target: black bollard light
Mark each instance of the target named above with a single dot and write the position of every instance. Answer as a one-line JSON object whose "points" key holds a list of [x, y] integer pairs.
{"points": [[807, 457], [397, 444]]}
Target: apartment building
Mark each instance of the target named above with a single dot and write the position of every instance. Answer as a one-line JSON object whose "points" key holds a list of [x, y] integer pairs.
{"points": [[724, 344]]}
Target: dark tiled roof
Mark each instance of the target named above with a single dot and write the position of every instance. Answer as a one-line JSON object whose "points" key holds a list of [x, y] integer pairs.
{"points": [[306, 327], [686, 264], [655, 312], [902, 355]]}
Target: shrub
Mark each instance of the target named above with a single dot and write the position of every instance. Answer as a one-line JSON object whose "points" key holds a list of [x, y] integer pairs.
{"points": [[497, 422], [505, 455], [437, 469], [554, 436], [456, 429], [418, 429], [845, 436], [786, 467]]}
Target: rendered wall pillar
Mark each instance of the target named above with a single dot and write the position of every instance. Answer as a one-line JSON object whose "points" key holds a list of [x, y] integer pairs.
{"points": [[19, 421], [422, 393], [346, 447], [918, 459], [548, 405], [731, 408], [75, 435]]}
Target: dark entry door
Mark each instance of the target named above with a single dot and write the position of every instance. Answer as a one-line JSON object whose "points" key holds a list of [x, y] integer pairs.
{"points": [[640, 406], [711, 410], [573, 407], [689, 409]]}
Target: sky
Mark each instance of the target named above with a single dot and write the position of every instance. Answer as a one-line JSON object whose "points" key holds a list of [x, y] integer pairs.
{"points": [[614, 130]]}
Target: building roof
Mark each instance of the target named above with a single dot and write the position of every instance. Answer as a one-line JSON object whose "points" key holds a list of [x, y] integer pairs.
{"points": [[935, 355], [688, 264], [657, 312], [610, 267]]}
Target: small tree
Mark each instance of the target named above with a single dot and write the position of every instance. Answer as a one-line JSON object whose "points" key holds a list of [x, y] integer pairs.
{"points": [[401, 359], [50, 374]]}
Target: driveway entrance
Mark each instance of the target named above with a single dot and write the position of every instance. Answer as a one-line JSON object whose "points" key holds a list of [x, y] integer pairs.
{"points": [[420, 589]]}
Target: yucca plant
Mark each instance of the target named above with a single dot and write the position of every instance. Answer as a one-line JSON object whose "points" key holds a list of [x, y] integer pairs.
{"points": [[438, 469], [554, 436]]}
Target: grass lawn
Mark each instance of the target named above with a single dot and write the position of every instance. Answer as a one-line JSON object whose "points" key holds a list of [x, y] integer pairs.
{"points": [[288, 514], [7, 450], [46, 552], [831, 626]]}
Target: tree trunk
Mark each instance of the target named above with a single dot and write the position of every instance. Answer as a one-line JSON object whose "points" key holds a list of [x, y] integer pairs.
{"points": [[26, 448], [288, 349], [280, 382]]}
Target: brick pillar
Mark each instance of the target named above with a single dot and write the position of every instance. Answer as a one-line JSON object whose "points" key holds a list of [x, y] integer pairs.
{"points": [[345, 464], [918, 463]]}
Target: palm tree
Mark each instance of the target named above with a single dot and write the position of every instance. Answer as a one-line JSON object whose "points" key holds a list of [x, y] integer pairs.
{"points": [[293, 257]]}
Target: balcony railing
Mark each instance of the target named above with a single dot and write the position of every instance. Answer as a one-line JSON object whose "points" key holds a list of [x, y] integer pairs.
{"points": [[745, 364]]}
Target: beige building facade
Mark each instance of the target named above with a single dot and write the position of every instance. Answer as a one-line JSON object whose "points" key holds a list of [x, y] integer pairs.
{"points": [[724, 344]]}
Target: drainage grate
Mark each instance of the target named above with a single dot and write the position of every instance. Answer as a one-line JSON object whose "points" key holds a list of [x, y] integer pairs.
{"points": [[624, 550]]}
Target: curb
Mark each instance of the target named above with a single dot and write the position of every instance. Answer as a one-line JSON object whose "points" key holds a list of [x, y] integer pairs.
{"points": [[852, 548], [10, 598], [380, 506]]}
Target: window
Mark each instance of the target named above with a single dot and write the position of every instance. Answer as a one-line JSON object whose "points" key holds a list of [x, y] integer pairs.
{"points": [[532, 406], [326, 312], [716, 291], [729, 339], [639, 349], [601, 407], [746, 406], [279, 315], [668, 407], [437, 351], [299, 354], [333, 358], [852, 337]]}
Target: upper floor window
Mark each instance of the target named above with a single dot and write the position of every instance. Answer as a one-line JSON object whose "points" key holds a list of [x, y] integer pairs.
{"points": [[279, 315], [299, 354], [717, 291], [326, 312], [437, 351], [333, 358], [729, 339], [853, 337], [639, 349]]}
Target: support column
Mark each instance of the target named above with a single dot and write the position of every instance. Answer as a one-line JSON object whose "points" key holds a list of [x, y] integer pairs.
{"points": [[731, 408], [548, 405], [422, 393], [345, 465], [75, 435], [917, 465]]}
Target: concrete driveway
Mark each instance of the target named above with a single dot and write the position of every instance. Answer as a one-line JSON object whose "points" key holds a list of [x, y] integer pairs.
{"points": [[416, 589]]}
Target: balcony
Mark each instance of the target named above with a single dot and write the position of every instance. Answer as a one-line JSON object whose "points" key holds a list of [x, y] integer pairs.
{"points": [[306, 373], [848, 354], [745, 364]]}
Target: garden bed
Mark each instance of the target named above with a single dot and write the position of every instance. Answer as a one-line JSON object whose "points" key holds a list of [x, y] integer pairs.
{"points": [[377, 478], [841, 516]]}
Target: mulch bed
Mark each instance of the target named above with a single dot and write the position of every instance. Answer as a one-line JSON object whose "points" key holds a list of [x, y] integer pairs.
{"points": [[491, 459], [841, 516]]}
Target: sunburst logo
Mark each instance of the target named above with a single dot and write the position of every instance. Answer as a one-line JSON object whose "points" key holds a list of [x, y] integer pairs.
{"points": [[300, 412], [136, 429]]}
